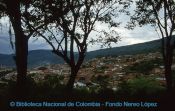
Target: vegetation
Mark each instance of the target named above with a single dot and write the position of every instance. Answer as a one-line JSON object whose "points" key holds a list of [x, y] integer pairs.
{"points": [[71, 26], [101, 80], [72, 20], [66, 25], [37, 57], [51, 89], [4, 72], [51, 86], [160, 15], [13, 11], [141, 86], [144, 67]]}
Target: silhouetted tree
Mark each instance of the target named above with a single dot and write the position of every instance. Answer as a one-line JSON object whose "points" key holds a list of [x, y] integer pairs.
{"points": [[161, 15], [69, 24], [15, 10]]}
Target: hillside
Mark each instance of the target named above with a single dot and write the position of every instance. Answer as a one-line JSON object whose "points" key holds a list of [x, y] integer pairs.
{"points": [[127, 50], [7, 60], [35, 58], [44, 57]]}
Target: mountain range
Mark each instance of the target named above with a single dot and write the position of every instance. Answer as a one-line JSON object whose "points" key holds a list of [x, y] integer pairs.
{"points": [[45, 57]]}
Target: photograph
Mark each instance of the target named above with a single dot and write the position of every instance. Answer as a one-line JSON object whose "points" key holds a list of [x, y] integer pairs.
{"points": [[87, 55]]}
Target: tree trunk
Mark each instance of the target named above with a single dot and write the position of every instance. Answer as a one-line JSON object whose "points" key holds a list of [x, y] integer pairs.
{"points": [[168, 76], [21, 44], [74, 71], [71, 81], [168, 71], [21, 60]]}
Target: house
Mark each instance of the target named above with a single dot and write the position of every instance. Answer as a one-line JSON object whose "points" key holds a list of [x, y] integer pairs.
{"points": [[79, 84]]}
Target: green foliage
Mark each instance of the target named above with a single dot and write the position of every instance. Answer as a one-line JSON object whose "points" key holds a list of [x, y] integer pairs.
{"points": [[52, 81], [101, 80], [3, 88], [94, 89], [144, 66], [51, 84], [140, 87], [61, 77], [82, 91], [4, 72], [31, 75]]}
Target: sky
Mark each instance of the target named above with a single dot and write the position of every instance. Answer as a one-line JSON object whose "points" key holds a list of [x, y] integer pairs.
{"points": [[127, 37]]}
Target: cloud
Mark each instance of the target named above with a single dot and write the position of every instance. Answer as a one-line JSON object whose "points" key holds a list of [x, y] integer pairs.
{"points": [[5, 46], [38, 43], [138, 35], [128, 37]]}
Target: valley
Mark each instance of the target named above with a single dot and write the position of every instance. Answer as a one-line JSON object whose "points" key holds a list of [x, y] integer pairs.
{"points": [[102, 72]]}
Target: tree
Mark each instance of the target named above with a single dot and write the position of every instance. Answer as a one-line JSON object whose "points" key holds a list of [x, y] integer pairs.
{"points": [[14, 10], [68, 24], [161, 15]]}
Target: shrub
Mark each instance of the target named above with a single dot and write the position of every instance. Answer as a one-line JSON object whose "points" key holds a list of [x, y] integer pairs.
{"points": [[144, 66], [102, 80], [141, 86], [50, 81], [81, 91]]}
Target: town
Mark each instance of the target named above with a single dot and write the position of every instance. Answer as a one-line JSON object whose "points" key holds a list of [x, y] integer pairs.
{"points": [[101, 72]]}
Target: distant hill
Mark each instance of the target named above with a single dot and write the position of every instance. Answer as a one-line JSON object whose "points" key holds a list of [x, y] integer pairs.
{"points": [[7, 60], [44, 57], [35, 58], [127, 50]]}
